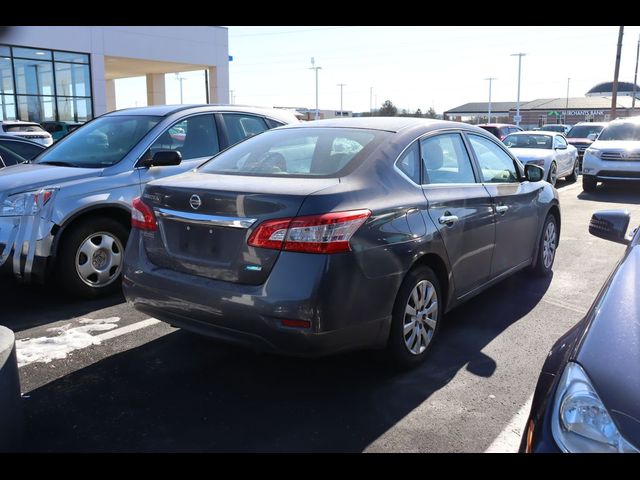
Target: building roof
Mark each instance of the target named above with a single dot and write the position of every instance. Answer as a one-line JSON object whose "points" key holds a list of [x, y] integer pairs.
{"points": [[587, 103], [606, 88], [483, 107]]}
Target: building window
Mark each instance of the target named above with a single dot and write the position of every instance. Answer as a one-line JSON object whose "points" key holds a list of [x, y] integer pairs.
{"points": [[40, 85]]}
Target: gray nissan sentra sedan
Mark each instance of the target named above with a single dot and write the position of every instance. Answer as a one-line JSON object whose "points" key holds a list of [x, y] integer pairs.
{"points": [[339, 234]]}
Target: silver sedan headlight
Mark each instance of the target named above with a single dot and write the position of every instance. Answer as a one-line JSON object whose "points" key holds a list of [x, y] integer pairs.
{"points": [[581, 422], [538, 161], [21, 204]]}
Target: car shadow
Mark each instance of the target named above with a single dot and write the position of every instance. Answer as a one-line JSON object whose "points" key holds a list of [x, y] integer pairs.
{"points": [[613, 193], [24, 306], [183, 392]]}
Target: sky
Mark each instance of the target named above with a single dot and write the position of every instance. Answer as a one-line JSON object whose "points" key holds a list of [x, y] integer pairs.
{"points": [[413, 67]]}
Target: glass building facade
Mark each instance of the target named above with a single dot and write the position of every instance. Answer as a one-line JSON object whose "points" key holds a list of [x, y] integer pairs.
{"points": [[40, 85]]}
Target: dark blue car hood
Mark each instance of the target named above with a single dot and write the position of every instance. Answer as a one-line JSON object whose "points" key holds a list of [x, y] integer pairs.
{"points": [[610, 351]]}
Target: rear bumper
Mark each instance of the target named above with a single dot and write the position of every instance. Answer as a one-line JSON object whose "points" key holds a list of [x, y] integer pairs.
{"points": [[298, 288]]}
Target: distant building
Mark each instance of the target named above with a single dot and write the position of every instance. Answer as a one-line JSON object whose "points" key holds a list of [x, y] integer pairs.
{"points": [[544, 110], [605, 89], [308, 114]]}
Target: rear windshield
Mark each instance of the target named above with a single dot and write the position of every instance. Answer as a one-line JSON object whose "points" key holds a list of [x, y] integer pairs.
{"points": [[302, 152], [23, 128], [583, 131], [621, 131], [553, 128], [494, 130]]}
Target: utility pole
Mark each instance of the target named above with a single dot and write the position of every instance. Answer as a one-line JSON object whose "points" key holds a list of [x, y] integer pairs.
{"points": [[635, 77], [371, 100], [341, 85], [566, 106], [519, 55], [313, 67], [231, 97], [489, 113], [614, 90]]}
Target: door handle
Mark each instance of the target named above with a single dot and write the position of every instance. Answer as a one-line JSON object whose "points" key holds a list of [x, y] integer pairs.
{"points": [[448, 220], [501, 209]]}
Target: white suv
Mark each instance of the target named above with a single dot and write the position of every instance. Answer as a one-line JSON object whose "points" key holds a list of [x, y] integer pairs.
{"points": [[615, 155], [31, 130]]}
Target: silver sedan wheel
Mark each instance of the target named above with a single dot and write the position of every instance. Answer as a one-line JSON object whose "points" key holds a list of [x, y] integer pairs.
{"points": [[553, 174], [99, 259], [549, 245], [420, 318]]}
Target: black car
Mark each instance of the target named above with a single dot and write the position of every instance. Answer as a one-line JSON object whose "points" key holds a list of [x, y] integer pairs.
{"points": [[14, 150], [588, 395], [338, 234]]}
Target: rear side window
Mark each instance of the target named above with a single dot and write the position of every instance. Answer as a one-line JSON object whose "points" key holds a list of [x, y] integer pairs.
{"points": [[273, 123], [193, 137], [23, 149], [445, 160], [241, 126], [9, 158], [409, 163], [306, 152]]}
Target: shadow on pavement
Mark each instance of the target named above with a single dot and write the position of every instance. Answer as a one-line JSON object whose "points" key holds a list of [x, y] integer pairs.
{"points": [[183, 392], [613, 193], [27, 306]]}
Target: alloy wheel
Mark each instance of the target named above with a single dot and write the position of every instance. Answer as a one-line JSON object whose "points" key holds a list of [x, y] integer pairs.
{"points": [[421, 317], [549, 244]]}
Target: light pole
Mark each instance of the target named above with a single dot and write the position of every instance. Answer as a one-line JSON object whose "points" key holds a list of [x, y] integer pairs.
{"points": [[566, 107], [341, 85], [371, 100], [313, 67], [519, 55], [635, 77], [489, 113]]}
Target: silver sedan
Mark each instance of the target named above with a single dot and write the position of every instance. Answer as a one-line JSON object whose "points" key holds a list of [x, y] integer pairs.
{"points": [[548, 150]]}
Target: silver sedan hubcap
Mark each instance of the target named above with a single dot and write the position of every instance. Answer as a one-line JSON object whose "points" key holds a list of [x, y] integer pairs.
{"points": [[549, 245], [420, 317], [99, 259], [552, 175]]}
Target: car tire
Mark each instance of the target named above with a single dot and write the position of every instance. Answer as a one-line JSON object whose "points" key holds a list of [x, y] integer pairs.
{"points": [[552, 176], [573, 177], [104, 239], [425, 326], [547, 247], [589, 183]]}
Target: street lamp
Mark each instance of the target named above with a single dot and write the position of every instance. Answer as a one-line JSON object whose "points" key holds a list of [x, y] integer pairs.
{"points": [[566, 107], [341, 85], [517, 118], [313, 67], [489, 113]]}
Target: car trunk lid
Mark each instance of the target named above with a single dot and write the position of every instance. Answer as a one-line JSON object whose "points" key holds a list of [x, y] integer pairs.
{"points": [[205, 220]]}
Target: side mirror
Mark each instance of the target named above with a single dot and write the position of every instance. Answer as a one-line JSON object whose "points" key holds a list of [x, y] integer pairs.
{"points": [[533, 173], [611, 225], [561, 147], [593, 136], [163, 158]]}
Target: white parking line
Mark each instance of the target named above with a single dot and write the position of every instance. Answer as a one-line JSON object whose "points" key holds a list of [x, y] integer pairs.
{"points": [[573, 308], [128, 329], [509, 439]]}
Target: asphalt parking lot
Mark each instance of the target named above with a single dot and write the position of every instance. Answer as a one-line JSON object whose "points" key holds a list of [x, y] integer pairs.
{"points": [[140, 385]]}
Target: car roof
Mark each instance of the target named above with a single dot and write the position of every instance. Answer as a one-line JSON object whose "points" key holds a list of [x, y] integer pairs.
{"points": [[497, 125], [166, 110], [389, 124], [538, 132], [617, 121], [18, 122]]}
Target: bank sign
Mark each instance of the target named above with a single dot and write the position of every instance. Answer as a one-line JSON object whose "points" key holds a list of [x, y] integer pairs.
{"points": [[585, 112]]}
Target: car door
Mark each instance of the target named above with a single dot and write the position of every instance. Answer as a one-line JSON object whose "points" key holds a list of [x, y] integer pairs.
{"points": [[460, 208], [514, 204], [563, 155], [195, 137]]}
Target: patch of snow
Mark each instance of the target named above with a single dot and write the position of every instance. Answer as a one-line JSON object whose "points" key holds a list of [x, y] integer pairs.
{"points": [[66, 340]]}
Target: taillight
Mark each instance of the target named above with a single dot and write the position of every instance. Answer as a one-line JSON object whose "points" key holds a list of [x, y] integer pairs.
{"points": [[142, 216], [326, 233]]}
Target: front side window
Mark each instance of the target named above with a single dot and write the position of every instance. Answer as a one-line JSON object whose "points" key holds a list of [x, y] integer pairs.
{"points": [[101, 143], [193, 137], [9, 158], [445, 160], [240, 126], [495, 164], [303, 152], [560, 142]]}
